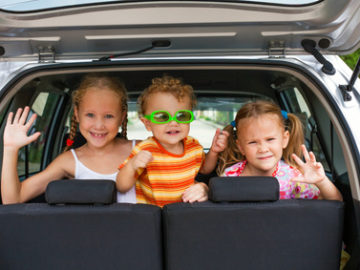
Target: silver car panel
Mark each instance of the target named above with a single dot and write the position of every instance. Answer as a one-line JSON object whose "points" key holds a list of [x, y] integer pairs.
{"points": [[192, 28]]}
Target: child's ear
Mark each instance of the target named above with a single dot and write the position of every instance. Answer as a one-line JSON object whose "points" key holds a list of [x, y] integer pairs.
{"points": [[123, 117], [239, 147], [286, 138], [146, 123], [76, 113]]}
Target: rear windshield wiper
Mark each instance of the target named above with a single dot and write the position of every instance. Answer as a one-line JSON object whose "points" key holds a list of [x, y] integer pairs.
{"points": [[154, 44]]}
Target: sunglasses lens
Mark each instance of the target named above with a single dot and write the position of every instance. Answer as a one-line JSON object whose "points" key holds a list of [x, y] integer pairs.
{"points": [[161, 117], [184, 116]]}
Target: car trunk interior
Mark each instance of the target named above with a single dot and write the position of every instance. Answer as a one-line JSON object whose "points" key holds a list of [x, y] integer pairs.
{"points": [[294, 90]]}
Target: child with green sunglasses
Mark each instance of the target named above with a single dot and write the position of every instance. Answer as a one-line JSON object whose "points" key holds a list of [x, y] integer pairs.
{"points": [[164, 166]]}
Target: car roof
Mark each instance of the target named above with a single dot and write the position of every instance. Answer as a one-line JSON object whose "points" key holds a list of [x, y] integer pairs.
{"points": [[159, 28], [36, 5]]}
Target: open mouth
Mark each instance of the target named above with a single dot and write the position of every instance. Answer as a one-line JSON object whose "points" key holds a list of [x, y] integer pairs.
{"points": [[98, 135], [172, 132]]}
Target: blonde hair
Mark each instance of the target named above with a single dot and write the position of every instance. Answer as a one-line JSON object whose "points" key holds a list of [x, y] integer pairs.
{"points": [[99, 81], [232, 155], [166, 84]]}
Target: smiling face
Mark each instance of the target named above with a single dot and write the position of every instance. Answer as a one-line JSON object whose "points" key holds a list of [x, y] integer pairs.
{"points": [[170, 135], [261, 140], [99, 115]]}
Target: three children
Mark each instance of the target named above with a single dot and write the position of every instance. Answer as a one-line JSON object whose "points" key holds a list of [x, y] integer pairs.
{"points": [[163, 167]]}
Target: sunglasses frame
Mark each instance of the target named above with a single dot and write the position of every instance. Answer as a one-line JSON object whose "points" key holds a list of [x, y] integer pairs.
{"points": [[171, 118]]}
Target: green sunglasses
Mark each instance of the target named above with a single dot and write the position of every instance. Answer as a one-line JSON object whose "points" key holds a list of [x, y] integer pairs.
{"points": [[163, 117]]}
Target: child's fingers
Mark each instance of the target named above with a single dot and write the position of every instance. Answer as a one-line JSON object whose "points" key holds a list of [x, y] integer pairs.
{"points": [[17, 115], [185, 197], [192, 197], [318, 165], [203, 198], [220, 143], [225, 133], [10, 119], [305, 153], [146, 157], [24, 115], [223, 136], [195, 193], [298, 160], [142, 159], [217, 133], [189, 194], [34, 136], [220, 139], [312, 157], [31, 120], [150, 157]]}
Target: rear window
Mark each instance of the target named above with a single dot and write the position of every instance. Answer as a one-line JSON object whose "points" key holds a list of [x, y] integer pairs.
{"points": [[210, 113]]}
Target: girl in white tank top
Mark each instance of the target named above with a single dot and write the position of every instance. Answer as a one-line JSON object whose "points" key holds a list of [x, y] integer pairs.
{"points": [[100, 111], [83, 172]]}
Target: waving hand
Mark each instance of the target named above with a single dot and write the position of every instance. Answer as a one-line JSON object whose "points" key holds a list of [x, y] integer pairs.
{"points": [[16, 129]]}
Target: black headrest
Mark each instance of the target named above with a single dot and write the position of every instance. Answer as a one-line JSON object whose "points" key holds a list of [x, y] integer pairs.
{"points": [[72, 191], [243, 189]]}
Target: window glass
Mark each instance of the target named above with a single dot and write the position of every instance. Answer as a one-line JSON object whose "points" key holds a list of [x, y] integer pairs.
{"points": [[210, 113], [44, 106], [298, 106], [3, 113]]}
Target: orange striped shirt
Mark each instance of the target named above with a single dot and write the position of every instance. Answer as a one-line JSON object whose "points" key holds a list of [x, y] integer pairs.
{"points": [[167, 176]]}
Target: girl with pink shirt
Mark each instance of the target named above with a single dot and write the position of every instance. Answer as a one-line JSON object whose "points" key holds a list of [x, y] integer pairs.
{"points": [[269, 142]]}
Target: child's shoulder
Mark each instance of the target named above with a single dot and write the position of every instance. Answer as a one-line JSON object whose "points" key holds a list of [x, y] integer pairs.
{"points": [[67, 155], [123, 145], [149, 142], [65, 162], [191, 140], [235, 169]]}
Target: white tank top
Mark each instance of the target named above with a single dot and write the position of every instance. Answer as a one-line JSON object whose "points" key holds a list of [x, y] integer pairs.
{"points": [[83, 172]]}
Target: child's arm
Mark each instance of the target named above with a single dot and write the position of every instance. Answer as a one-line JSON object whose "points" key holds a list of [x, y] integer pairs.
{"points": [[125, 178], [218, 145], [15, 137], [313, 173]]}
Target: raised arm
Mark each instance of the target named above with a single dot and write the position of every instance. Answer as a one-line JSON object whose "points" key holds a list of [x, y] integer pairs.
{"points": [[15, 137], [125, 178], [314, 173], [218, 145]]}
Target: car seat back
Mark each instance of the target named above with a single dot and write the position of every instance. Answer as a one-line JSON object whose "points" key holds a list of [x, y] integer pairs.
{"points": [[252, 232], [80, 236]]}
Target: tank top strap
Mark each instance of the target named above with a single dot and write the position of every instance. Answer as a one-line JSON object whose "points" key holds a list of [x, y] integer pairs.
{"points": [[75, 156], [133, 143]]}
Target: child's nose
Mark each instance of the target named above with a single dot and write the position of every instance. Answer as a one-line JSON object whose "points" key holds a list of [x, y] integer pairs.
{"points": [[99, 123], [173, 123], [262, 147]]}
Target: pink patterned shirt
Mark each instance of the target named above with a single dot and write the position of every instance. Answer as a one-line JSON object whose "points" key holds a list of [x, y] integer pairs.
{"points": [[283, 173]]}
